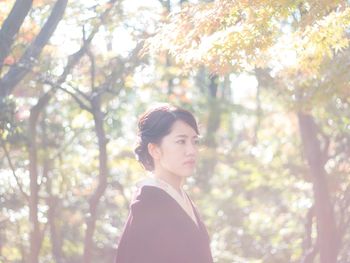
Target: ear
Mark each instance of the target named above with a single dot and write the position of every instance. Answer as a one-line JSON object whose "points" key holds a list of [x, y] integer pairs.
{"points": [[154, 150]]}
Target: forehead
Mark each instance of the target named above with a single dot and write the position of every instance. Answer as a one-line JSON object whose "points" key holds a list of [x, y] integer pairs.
{"points": [[182, 128]]}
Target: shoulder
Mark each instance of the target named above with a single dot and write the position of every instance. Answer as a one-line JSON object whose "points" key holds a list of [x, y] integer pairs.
{"points": [[149, 193], [147, 211], [148, 198]]}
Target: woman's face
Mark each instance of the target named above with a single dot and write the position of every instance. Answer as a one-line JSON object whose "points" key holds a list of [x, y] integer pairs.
{"points": [[178, 151]]}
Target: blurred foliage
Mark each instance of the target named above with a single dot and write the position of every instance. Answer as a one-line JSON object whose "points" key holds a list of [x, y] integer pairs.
{"points": [[252, 184]]}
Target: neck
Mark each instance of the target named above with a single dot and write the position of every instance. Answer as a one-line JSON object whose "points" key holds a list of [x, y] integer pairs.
{"points": [[174, 180]]}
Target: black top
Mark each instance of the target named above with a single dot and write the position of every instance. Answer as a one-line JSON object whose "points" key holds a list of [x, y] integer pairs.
{"points": [[158, 230]]}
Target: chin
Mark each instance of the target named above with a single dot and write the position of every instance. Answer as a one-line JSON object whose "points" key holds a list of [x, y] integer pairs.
{"points": [[186, 174]]}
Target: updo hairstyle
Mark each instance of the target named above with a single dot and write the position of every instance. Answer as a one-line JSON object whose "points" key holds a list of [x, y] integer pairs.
{"points": [[156, 123]]}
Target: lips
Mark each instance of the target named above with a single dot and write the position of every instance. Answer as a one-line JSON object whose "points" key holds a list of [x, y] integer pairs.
{"points": [[190, 162]]}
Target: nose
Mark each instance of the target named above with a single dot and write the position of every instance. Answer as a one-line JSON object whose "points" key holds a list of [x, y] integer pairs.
{"points": [[191, 148]]}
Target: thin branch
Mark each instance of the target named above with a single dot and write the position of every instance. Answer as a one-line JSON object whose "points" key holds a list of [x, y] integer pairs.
{"points": [[258, 113], [92, 68], [119, 68], [86, 97], [75, 97], [13, 170]]}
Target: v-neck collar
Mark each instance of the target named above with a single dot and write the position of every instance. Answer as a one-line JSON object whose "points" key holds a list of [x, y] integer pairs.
{"points": [[182, 200]]}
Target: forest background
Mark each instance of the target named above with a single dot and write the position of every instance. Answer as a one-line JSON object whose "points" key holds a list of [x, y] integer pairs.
{"points": [[268, 81]]}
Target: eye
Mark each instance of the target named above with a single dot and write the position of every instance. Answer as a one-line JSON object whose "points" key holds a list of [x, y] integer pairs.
{"points": [[196, 141], [182, 141]]}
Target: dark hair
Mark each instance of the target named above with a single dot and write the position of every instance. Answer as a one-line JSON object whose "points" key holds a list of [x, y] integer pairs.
{"points": [[156, 123]]}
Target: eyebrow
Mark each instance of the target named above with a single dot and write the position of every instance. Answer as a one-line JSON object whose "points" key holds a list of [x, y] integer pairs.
{"points": [[185, 136]]}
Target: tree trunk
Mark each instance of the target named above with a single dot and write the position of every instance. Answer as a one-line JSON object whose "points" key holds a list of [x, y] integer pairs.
{"points": [[11, 26], [213, 124], [18, 71], [52, 201], [102, 180], [35, 235], [56, 239], [326, 227]]}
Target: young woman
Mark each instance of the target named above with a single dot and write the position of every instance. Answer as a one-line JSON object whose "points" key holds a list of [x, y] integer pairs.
{"points": [[163, 225]]}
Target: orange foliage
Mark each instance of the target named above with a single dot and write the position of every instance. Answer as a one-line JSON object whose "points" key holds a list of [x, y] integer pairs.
{"points": [[39, 3], [9, 60], [28, 32], [226, 35]]}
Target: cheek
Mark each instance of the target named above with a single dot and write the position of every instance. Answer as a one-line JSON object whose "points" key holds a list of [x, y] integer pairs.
{"points": [[173, 154], [170, 149]]}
